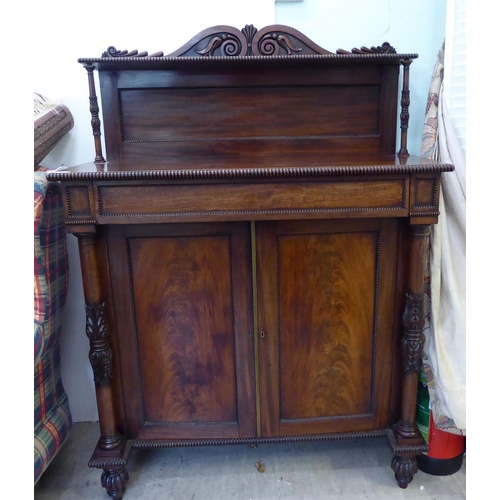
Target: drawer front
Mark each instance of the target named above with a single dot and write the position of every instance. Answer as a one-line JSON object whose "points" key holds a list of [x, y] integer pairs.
{"points": [[164, 202]]}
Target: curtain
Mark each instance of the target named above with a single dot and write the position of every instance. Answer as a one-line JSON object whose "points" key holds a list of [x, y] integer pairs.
{"points": [[445, 336]]}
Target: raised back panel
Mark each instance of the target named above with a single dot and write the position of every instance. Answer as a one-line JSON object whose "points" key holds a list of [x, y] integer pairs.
{"points": [[338, 110], [249, 113]]}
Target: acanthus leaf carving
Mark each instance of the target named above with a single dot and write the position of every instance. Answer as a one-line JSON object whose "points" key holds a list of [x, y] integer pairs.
{"points": [[114, 52], [385, 48], [413, 316], [100, 351], [249, 31], [412, 343]]}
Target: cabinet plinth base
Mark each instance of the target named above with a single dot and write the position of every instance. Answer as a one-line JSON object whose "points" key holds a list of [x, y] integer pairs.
{"points": [[115, 475]]}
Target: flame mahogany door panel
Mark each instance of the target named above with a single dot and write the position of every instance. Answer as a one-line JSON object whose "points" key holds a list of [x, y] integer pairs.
{"points": [[325, 300], [184, 300], [326, 293]]}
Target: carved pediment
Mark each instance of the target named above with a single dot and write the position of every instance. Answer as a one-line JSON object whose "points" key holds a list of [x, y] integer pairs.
{"points": [[227, 42]]}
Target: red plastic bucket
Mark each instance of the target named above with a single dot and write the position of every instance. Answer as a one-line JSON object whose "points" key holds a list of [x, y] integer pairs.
{"points": [[446, 450]]}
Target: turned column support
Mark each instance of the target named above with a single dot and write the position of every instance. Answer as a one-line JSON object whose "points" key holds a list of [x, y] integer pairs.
{"points": [[100, 351], [94, 112], [412, 343], [405, 437], [405, 109]]}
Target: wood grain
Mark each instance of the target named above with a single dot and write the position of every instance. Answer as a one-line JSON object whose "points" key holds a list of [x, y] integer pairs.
{"points": [[183, 312], [325, 340], [182, 291], [324, 358], [248, 113]]}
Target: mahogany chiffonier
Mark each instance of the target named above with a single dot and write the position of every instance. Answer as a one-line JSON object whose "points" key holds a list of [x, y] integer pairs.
{"points": [[253, 247]]}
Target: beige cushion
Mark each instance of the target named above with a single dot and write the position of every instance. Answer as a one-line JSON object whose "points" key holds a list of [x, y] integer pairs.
{"points": [[52, 121]]}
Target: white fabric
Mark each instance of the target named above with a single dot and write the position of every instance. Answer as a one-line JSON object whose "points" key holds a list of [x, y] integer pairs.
{"points": [[447, 340]]}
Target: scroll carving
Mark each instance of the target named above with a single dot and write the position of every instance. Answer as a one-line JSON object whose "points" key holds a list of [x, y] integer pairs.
{"points": [[413, 340], [226, 41], [270, 44], [274, 40], [100, 352], [385, 48], [114, 52], [270, 41], [229, 46]]}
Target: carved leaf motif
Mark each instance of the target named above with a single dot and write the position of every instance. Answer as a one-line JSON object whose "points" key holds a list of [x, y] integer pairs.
{"points": [[100, 361], [114, 52], [249, 31], [413, 316], [412, 354], [270, 44], [385, 48], [412, 343], [100, 352], [96, 327], [212, 46], [229, 45]]}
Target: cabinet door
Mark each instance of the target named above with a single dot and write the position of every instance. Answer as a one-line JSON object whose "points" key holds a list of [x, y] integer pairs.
{"points": [[184, 329], [326, 297]]}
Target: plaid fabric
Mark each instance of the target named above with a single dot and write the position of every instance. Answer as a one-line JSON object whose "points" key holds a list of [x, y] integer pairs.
{"points": [[50, 263], [52, 414], [41, 291]]}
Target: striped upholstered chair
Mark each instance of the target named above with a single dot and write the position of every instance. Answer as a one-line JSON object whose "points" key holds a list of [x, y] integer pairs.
{"points": [[52, 412]]}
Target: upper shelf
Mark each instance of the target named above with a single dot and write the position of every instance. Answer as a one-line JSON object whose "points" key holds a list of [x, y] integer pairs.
{"points": [[177, 168]]}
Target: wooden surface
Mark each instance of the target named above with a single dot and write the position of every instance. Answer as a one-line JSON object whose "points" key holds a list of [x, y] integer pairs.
{"points": [[250, 246], [323, 367], [186, 302], [252, 165]]}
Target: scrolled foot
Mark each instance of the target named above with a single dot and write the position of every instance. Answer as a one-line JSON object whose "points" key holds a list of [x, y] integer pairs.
{"points": [[115, 481], [404, 468]]}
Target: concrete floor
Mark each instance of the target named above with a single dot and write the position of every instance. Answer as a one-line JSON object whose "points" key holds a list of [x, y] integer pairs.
{"points": [[300, 471]]}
